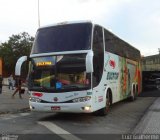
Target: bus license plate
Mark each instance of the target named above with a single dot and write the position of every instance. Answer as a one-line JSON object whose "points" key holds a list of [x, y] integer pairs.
{"points": [[55, 108]]}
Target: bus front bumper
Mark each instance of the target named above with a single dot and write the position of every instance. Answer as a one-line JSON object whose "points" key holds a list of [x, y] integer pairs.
{"points": [[80, 107]]}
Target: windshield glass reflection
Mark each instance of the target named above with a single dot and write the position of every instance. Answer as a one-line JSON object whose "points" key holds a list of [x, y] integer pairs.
{"points": [[59, 73]]}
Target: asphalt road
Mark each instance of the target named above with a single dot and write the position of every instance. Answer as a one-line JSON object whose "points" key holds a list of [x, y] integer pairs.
{"points": [[122, 119], [150, 93]]}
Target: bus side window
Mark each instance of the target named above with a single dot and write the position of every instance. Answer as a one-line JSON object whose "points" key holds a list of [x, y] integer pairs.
{"points": [[98, 58]]}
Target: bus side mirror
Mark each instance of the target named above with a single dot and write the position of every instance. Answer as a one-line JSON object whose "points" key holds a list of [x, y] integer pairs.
{"points": [[89, 62], [19, 63]]}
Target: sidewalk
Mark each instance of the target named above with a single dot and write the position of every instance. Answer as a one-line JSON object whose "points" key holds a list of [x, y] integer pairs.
{"points": [[150, 124], [15, 105]]}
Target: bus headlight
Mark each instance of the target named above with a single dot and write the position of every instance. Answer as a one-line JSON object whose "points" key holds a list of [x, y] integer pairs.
{"points": [[81, 99], [34, 99]]}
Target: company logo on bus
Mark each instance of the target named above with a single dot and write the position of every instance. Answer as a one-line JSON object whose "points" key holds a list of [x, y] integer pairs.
{"points": [[55, 99], [112, 63]]}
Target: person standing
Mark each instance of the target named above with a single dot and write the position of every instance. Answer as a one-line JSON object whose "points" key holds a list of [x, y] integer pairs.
{"points": [[18, 84], [10, 81]]}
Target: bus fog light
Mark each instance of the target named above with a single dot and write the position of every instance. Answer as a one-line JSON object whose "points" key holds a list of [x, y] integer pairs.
{"points": [[87, 108]]}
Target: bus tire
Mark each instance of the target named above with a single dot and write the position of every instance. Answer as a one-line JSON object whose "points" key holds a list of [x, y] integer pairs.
{"points": [[104, 111], [133, 93], [136, 90]]}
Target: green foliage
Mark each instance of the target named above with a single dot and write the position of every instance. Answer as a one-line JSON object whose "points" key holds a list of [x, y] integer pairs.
{"points": [[17, 46]]}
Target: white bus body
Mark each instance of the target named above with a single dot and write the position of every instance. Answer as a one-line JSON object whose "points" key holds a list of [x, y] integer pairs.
{"points": [[81, 68]]}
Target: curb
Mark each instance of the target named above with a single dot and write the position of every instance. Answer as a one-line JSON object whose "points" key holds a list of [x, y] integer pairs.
{"points": [[140, 127]]}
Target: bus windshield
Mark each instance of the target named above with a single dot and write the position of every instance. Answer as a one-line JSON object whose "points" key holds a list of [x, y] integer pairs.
{"points": [[60, 73], [68, 37]]}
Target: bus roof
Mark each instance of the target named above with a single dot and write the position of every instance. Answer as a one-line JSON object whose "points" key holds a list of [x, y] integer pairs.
{"points": [[131, 52], [66, 22], [84, 21]]}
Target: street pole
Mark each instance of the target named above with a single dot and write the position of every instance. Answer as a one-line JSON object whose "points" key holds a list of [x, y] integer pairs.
{"points": [[38, 15]]}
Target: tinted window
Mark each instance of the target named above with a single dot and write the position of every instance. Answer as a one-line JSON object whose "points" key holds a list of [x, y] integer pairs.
{"points": [[98, 58], [67, 37], [115, 45]]}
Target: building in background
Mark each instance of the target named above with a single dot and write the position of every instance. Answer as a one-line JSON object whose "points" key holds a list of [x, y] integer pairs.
{"points": [[151, 72], [151, 63]]}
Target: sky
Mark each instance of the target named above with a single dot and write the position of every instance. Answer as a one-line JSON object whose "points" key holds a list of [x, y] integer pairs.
{"points": [[135, 21]]}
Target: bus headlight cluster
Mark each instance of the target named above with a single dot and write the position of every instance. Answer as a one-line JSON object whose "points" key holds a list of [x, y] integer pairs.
{"points": [[34, 99], [81, 99]]}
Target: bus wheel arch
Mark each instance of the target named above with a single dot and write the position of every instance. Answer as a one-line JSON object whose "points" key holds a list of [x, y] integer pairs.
{"points": [[109, 93], [108, 102]]}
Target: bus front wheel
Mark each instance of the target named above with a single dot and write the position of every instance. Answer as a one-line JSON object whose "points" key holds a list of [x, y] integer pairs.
{"points": [[104, 111]]}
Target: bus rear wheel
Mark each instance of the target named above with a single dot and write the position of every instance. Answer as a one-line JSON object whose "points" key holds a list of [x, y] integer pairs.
{"points": [[133, 93]]}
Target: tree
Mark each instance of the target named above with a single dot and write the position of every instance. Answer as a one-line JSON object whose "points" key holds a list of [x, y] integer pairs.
{"points": [[17, 46]]}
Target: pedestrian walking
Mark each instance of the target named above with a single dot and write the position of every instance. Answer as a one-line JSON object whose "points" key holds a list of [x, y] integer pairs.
{"points": [[10, 81], [1, 81], [18, 84]]}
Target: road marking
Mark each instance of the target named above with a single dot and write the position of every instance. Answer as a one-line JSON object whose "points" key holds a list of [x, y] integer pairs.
{"points": [[59, 131], [12, 116], [24, 114]]}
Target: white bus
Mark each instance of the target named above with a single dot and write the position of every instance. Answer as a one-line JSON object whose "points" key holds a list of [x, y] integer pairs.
{"points": [[81, 68]]}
